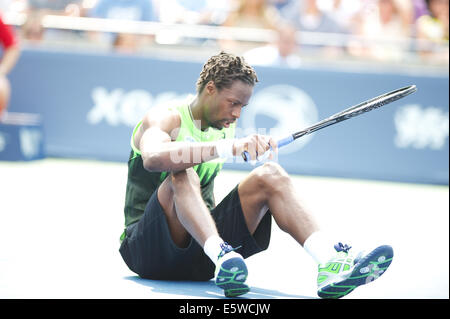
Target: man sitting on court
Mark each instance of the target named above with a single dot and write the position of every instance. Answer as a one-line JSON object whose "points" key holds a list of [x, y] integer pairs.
{"points": [[175, 231]]}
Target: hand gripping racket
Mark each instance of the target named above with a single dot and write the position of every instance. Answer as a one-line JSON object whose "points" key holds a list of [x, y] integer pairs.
{"points": [[353, 111]]}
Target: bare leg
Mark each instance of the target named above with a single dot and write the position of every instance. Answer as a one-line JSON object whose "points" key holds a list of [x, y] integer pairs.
{"points": [[185, 210], [186, 214], [270, 187]]}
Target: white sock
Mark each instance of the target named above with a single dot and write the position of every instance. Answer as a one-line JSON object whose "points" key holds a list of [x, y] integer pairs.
{"points": [[320, 247], [212, 247]]}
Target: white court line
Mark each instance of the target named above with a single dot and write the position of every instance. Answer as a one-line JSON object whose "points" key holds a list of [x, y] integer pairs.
{"points": [[61, 221]]}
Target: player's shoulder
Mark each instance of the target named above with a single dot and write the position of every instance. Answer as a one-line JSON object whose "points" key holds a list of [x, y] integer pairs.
{"points": [[163, 117]]}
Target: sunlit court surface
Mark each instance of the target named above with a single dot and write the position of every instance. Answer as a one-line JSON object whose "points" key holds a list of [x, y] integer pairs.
{"points": [[61, 222]]}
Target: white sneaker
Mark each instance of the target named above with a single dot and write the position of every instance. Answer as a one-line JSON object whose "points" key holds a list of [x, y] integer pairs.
{"points": [[231, 272], [345, 272]]}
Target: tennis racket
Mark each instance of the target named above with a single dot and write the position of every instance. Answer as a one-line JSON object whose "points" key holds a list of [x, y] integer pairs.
{"points": [[346, 114]]}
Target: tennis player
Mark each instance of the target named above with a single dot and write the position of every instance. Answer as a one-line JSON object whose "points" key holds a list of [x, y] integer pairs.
{"points": [[175, 231]]}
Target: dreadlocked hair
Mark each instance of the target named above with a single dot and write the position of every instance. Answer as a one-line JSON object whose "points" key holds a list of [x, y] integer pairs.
{"points": [[223, 69]]}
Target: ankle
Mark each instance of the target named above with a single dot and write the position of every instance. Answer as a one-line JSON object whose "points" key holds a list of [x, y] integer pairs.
{"points": [[213, 247]]}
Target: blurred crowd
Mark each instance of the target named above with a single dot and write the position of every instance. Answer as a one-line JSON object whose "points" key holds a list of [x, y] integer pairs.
{"points": [[384, 30]]}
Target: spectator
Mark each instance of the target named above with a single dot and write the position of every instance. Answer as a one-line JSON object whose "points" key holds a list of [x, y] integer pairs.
{"points": [[307, 16], [279, 4], [433, 27], [9, 59], [209, 12], [252, 14], [385, 29], [344, 13], [134, 10], [249, 14], [32, 29], [284, 52], [51, 6], [420, 8], [203, 12]]}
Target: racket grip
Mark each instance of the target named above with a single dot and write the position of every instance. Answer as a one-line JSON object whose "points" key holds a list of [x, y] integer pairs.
{"points": [[285, 141], [245, 156], [282, 142]]}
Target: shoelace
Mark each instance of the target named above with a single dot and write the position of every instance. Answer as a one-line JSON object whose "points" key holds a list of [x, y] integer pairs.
{"points": [[340, 247], [226, 248]]}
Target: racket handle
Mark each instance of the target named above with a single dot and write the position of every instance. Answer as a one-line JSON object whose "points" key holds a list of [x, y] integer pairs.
{"points": [[285, 141], [282, 142]]}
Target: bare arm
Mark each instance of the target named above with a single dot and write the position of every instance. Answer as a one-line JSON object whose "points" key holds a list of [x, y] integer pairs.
{"points": [[161, 153], [156, 141], [9, 59]]}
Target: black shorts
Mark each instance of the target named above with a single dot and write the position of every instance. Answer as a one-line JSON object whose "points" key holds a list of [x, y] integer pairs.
{"points": [[149, 251]]}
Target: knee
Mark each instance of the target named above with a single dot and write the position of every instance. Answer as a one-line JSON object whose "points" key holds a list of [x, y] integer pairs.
{"points": [[271, 177], [185, 180]]}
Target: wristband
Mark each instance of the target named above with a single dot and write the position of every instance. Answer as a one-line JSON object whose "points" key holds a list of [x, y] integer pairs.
{"points": [[224, 148]]}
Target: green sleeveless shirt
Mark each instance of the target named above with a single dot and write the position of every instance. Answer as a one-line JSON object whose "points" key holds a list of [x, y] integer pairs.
{"points": [[141, 183]]}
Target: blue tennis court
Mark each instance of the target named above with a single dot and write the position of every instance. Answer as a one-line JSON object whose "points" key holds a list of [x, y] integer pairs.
{"points": [[61, 221]]}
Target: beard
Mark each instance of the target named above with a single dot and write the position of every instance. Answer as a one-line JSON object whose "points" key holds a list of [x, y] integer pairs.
{"points": [[218, 125], [221, 124]]}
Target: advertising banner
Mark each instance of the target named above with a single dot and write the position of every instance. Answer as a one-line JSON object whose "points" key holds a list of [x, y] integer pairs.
{"points": [[89, 104]]}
